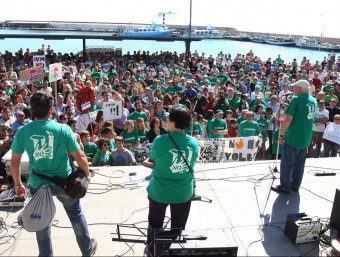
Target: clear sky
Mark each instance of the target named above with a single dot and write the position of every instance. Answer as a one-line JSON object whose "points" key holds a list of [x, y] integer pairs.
{"points": [[296, 17]]}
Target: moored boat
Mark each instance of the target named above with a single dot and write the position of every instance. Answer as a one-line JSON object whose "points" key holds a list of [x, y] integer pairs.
{"points": [[154, 30], [281, 41]]}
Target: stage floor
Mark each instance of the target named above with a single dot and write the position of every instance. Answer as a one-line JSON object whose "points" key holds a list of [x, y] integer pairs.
{"points": [[241, 201]]}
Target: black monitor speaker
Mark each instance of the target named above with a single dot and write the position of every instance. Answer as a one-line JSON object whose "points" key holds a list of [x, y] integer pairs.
{"points": [[335, 216]]}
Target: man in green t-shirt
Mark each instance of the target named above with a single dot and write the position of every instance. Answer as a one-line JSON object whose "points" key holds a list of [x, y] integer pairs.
{"points": [[218, 126], [249, 127], [296, 133], [47, 144]]}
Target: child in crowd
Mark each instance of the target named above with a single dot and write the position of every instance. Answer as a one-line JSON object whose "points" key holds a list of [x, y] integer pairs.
{"points": [[90, 149], [103, 156], [263, 123], [232, 131]]}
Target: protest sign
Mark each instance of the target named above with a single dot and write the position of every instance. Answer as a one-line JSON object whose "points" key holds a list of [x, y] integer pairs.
{"points": [[55, 72], [112, 110], [332, 133], [38, 61], [85, 99]]}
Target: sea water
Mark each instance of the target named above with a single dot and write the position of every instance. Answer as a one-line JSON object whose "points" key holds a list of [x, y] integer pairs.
{"points": [[208, 46]]}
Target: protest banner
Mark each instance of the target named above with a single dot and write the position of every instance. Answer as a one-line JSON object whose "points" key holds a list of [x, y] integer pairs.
{"points": [[55, 72], [85, 100], [24, 74], [39, 61], [112, 110], [332, 133], [215, 150]]}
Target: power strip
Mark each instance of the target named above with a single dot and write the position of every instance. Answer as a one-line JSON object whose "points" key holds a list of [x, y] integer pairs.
{"points": [[325, 174]]}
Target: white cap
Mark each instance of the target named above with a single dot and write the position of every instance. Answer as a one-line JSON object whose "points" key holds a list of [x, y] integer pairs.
{"points": [[304, 84]]}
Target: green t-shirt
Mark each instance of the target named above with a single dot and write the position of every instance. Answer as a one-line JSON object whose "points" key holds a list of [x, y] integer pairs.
{"points": [[134, 116], [326, 88], [263, 123], [130, 138], [328, 98], [299, 133], [90, 150], [170, 90], [143, 135], [101, 159], [247, 129], [112, 145], [239, 120], [172, 181], [196, 128], [223, 78], [46, 143], [219, 125]]}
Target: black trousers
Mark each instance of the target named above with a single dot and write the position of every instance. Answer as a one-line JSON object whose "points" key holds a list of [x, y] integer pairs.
{"points": [[179, 215]]}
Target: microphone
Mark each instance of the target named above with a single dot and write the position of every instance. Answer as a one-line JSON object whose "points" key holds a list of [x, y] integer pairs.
{"points": [[200, 198]]}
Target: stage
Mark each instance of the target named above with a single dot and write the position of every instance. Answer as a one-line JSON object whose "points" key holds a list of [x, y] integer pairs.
{"points": [[241, 202]]}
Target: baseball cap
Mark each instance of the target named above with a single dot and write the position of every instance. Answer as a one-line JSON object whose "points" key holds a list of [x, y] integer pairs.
{"points": [[301, 83], [274, 97], [219, 112]]}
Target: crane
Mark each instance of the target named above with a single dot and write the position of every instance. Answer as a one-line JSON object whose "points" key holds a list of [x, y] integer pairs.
{"points": [[163, 14]]}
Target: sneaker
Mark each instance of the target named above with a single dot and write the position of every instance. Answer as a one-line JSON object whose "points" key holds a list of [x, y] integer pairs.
{"points": [[94, 246], [278, 189]]}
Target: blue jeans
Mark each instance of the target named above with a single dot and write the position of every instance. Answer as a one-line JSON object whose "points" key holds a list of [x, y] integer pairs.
{"points": [[330, 148], [77, 219], [292, 167]]}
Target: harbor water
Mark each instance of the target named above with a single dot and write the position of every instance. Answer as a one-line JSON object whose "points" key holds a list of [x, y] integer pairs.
{"points": [[208, 46]]}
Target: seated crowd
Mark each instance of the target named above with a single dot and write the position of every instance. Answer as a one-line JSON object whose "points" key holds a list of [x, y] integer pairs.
{"points": [[227, 97]]}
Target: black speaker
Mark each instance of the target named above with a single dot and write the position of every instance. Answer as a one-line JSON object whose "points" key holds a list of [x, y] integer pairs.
{"points": [[335, 216]]}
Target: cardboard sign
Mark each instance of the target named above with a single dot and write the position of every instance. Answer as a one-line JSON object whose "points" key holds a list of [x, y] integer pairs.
{"points": [[36, 74], [39, 60], [85, 100], [32, 74], [332, 133], [112, 110], [55, 72]]}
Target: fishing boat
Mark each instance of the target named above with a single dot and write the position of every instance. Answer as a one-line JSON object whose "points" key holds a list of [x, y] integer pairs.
{"points": [[281, 41], [209, 32], [240, 37], [154, 30], [259, 39], [313, 44]]}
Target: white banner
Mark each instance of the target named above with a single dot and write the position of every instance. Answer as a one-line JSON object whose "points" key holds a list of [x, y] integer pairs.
{"points": [[39, 60], [112, 110], [83, 120], [214, 150], [332, 133]]}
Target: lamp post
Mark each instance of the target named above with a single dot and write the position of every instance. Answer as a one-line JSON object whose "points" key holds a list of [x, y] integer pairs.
{"points": [[324, 25], [188, 41]]}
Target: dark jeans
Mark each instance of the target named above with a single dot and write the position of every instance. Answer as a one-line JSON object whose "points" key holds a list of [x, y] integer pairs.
{"points": [[179, 215], [75, 214], [292, 167]]}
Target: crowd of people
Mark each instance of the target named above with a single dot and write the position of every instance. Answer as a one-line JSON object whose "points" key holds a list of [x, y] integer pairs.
{"points": [[227, 96]]}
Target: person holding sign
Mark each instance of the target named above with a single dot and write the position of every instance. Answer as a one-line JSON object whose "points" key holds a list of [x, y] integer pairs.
{"points": [[332, 147]]}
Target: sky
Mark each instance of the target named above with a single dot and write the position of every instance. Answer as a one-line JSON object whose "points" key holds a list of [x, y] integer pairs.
{"points": [[295, 17]]}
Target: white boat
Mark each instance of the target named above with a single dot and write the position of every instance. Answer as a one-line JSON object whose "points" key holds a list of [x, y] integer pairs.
{"points": [[240, 37], [209, 32], [313, 44], [281, 41], [259, 39], [154, 30]]}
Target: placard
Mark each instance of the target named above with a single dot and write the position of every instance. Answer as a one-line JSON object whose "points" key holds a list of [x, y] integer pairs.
{"points": [[55, 72], [32, 74], [39, 60], [112, 110], [85, 99], [332, 133]]}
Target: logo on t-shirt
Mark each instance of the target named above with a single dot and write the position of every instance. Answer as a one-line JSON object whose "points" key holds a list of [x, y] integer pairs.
{"points": [[42, 146], [178, 163], [311, 111]]}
